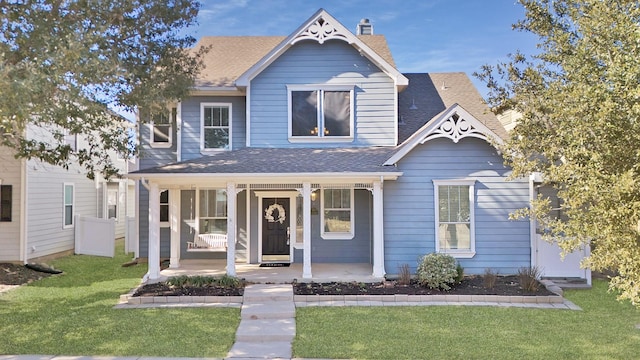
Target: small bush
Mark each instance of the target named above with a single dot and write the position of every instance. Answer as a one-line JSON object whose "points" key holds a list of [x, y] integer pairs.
{"points": [[528, 277], [489, 278], [460, 273], [437, 271], [184, 281], [404, 278]]}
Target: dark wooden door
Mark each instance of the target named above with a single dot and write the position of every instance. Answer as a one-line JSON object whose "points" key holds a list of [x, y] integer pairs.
{"points": [[275, 229]]}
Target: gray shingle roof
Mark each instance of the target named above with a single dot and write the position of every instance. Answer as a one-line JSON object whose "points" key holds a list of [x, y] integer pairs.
{"points": [[283, 160], [432, 93]]}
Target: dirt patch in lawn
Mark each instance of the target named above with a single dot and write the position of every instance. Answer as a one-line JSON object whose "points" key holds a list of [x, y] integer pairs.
{"points": [[470, 285], [12, 275]]}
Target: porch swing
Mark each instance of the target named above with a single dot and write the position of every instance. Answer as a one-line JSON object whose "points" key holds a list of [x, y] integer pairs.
{"points": [[208, 243]]}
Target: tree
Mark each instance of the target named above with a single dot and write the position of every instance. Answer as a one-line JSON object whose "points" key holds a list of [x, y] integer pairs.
{"points": [[65, 63], [580, 103]]}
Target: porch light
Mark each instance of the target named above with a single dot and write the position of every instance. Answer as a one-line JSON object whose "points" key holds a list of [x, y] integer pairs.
{"points": [[314, 196]]}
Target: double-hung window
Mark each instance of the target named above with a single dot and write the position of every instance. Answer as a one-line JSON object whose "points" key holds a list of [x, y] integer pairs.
{"points": [[454, 210], [161, 128], [337, 214], [6, 198], [213, 212], [215, 131], [320, 112], [112, 204], [68, 205]]}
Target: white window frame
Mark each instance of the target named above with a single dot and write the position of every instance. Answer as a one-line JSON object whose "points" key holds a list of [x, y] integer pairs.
{"points": [[200, 217], [152, 125], [165, 224], [337, 235], [117, 204], [463, 254], [64, 205], [320, 137], [71, 140], [204, 150]]}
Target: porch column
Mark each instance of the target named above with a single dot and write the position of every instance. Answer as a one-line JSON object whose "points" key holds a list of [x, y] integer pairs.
{"points": [[174, 221], [378, 230], [306, 231], [154, 232], [231, 229]]}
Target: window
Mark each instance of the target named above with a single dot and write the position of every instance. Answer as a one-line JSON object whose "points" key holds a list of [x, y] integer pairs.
{"points": [[68, 205], [71, 140], [164, 208], [213, 212], [112, 204], [216, 128], [6, 199], [320, 113], [337, 213], [454, 209], [162, 128]]}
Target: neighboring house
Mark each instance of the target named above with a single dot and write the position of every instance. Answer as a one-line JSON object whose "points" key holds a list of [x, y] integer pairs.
{"points": [[40, 204], [313, 148]]}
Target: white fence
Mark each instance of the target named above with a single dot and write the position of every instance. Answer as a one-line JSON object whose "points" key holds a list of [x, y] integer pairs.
{"points": [[95, 236], [130, 235]]}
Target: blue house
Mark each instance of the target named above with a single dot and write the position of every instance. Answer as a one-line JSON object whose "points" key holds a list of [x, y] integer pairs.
{"points": [[313, 148]]}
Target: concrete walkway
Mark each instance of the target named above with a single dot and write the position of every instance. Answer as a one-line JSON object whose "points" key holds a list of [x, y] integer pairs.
{"points": [[267, 323]]}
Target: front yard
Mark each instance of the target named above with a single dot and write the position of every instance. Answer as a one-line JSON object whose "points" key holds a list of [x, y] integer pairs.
{"points": [[73, 314]]}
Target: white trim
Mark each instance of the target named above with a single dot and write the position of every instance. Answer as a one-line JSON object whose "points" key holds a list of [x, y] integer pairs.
{"points": [[274, 178], [247, 132], [291, 195], [160, 145], [174, 220], [232, 197], [378, 229], [337, 235], [321, 88], [24, 193], [306, 231], [204, 105], [465, 254], [64, 204], [344, 34], [432, 130], [248, 224], [179, 132]]}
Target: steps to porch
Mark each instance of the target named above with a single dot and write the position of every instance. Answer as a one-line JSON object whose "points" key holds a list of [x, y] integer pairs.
{"points": [[267, 325]]}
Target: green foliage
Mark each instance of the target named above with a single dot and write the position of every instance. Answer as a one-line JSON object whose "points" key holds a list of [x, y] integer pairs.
{"points": [[459, 273], [437, 271], [184, 281], [579, 128], [528, 278], [64, 63]]}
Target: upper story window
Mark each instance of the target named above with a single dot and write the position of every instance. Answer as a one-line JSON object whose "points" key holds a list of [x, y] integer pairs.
{"points": [[215, 132], [320, 113], [71, 140], [161, 128], [454, 210]]}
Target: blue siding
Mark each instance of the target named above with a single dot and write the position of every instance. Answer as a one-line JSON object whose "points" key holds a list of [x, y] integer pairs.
{"points": [[165, 233], [334, 62], [501, 244], [190, 145], [150, 157]]}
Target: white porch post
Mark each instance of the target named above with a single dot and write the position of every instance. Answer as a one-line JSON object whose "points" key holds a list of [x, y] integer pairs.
{"points": [[154, 232], [378, 230], [174, 221], [306, 231], [231, 229]]}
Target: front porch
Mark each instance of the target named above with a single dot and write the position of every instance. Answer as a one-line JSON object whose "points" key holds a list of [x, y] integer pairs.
{"points": [[322, 272]]}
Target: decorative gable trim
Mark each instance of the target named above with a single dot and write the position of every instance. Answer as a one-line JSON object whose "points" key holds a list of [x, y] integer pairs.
{"points": [[455, 124], [321, 30], [322, 27]]}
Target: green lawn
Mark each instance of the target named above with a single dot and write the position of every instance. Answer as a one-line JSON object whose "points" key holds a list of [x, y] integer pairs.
{"points": [[605, 329], [73, 314]]}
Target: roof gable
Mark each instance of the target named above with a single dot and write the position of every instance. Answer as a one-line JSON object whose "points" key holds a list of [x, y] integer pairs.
{"points": [[455, 123], [322, 27]]}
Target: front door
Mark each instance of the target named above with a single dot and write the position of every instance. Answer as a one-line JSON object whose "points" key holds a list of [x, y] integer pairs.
{"points": [[275, 229]]}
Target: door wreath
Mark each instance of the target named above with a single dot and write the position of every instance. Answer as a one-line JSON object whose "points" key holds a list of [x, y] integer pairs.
{"points": [[268, 213]]}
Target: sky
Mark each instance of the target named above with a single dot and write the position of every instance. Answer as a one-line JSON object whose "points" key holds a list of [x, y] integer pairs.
{"points": [[423, 35]]}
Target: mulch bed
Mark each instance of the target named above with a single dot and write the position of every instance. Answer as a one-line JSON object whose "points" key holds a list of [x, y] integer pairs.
{"points": [[14, 274], [162, 289]]}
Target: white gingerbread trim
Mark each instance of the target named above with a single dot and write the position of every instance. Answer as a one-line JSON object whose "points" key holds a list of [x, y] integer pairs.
{"points": [[321, 30]]}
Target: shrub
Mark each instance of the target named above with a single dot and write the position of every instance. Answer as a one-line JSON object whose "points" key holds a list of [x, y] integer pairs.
{"points": [[404, 278], [528, 278], [204, 281], [489, 278], [437, 271], [460, 273]]}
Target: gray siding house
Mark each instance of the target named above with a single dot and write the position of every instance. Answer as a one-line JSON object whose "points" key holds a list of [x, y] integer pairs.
{"points": [[313, 148]]}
